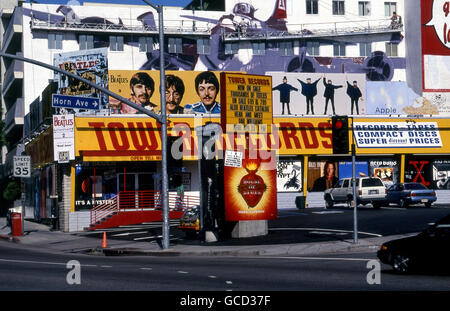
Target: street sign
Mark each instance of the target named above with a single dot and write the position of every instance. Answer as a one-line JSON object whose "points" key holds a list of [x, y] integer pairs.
{"points": [[22, 166], [75, 102]]}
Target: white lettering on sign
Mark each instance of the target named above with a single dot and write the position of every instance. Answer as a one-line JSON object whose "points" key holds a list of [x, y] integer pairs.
{"points": [[397, 135], [22, 166], [440, 17]]}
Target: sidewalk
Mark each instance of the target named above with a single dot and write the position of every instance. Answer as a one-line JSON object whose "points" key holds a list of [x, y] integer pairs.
{"points": [[39, 236]]}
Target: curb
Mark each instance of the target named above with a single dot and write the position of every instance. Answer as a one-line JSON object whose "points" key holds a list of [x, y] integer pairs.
{"points": [[9, 238], [171, 253]]}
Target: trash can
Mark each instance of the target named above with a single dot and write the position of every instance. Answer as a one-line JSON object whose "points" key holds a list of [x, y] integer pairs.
{"points": [[16, 222], [300, 202]]}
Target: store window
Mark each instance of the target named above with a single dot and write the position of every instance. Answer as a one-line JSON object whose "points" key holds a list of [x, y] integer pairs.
{"points": [[93, 186], [289, 176], [441, 174], [322, 175], [346, 169], [419, 170], [385, 169]]}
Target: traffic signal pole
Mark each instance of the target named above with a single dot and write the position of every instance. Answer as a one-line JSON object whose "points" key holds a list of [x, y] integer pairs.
{"points": [[355, 204]]}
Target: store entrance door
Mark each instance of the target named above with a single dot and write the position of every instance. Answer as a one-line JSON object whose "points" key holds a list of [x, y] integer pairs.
{"points": [[138, 185]]}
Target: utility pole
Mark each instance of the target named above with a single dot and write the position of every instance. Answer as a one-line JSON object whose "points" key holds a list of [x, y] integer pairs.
{"points": [[165, 177]]}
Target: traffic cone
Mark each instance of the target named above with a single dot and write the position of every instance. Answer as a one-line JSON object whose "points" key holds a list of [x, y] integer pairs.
{"points": [[104, 242]]}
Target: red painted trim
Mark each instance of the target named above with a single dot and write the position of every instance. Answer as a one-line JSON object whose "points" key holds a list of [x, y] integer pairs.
{"points": [[135, 217], [101, 153]]}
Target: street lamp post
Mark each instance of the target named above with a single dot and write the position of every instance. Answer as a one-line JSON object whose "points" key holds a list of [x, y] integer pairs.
{"points": [[165, 177]]}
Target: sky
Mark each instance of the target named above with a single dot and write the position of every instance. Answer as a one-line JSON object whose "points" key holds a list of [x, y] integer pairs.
{"points": [[181, 3]]}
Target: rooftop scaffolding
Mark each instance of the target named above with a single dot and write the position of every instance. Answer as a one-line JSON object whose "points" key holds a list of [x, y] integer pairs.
{"points": [[312, 30], [178, 27]]}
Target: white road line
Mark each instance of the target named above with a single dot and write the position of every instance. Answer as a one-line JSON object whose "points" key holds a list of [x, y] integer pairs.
{"points": [[320, 258], [322, 229], [212, 276], [130, 233], [147, 269], [182, 272], [395, 208], [41, 262], [229, 282]]}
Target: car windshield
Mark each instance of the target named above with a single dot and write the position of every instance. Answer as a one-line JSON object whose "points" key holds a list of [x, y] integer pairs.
{"points": [[415, 187], [372, 182]]}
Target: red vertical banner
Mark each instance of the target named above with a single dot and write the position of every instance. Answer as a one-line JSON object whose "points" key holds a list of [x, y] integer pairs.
{"points": [[435, 20], [251, 189]]}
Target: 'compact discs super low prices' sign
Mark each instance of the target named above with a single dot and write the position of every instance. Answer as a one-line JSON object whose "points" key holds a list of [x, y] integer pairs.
{"points": [[397, 135], [246, 102], [22, 166]]}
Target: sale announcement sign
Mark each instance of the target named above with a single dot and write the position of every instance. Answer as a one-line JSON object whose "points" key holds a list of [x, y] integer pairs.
{"points": [[246, 102], [250, 191]]}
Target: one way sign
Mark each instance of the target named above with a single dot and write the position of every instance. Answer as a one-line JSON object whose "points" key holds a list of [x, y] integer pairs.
{"points": [[75, 102]]}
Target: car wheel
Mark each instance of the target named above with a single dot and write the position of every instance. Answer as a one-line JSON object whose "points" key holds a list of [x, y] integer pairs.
{"points": [[403, 203], [377, 205], [328, 202], [428, 205], [349, 202], [401, 264]]}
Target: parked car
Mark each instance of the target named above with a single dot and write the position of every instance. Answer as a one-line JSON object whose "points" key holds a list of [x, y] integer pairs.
{"points": [[405, 194], [427, 250], [368, 190]]}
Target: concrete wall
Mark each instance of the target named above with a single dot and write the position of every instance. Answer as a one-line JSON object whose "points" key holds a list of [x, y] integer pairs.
{"points": [[79, 220], [64, 190]]}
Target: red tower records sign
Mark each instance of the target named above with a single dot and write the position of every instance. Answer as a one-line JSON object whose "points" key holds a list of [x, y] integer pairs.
{"points": [[436, 45]]}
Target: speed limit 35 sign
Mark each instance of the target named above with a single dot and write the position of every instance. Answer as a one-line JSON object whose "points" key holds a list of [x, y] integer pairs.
{"points": [[22, 166]]}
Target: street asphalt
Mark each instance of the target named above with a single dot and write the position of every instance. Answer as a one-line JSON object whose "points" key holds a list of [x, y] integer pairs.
{"points": [[295, 233]]}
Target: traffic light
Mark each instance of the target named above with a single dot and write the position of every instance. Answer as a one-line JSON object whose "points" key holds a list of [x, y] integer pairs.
{"points": [[340, 134]]}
